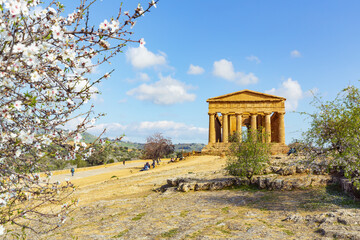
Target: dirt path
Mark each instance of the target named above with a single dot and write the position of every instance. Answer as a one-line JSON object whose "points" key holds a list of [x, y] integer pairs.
{"points": [[88, 172], [130, 180]]}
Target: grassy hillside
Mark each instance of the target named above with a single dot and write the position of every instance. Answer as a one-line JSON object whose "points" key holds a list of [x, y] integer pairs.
{"points": [[185, 147], [189, 147]]}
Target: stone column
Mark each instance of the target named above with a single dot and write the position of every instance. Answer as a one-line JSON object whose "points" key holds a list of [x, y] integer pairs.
{"points": [[225, 136], [212, 133], [281, 128], [253, 125], [267, 127], [253, 121], [239, 125]]}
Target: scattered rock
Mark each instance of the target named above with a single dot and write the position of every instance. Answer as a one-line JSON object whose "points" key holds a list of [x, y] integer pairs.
{"points": [[294, 218], [340, 232], [342, 224]]}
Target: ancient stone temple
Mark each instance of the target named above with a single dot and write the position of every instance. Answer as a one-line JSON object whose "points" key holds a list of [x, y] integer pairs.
{"points": [[243, 111]]}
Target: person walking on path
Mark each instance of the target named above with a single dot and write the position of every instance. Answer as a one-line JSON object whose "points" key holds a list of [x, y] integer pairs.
{"points": [[72, 171]]}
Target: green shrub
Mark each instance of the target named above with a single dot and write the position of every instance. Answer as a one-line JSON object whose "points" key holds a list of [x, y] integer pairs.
{"points": [[334, 131], [247, 156]]}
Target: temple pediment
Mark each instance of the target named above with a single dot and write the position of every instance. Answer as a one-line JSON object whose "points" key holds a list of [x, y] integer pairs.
{"points": [[246, 96]]}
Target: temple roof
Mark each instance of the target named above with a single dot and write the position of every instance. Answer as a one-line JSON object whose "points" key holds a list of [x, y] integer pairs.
{"points": [[246, 96]]}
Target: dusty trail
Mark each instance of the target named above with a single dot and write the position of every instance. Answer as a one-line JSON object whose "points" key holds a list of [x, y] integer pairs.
{"points": [[90, 172], [115, 181]]}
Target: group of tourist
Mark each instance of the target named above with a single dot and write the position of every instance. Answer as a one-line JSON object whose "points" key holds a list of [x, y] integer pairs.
{"points": [[147, 164]]}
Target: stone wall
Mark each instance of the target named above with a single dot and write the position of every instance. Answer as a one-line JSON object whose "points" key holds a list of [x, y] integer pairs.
{"points": [[283, 173]]}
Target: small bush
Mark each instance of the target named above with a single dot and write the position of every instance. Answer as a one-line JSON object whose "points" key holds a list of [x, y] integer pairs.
{"points": [[170, 233], [247, 157], [121, 234], [138, 217]]}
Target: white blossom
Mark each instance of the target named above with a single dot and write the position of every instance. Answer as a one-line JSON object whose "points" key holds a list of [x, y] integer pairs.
{"points": [[70, 102], [46, 140], [19, 47], [35, 76], [2, 230], [18, 153], [2, 203], [153, 3], [104, 25], [71, 17], [26, 137], [114, 25], [17, 105], [77, 138], [57, 32], [142, 42]]}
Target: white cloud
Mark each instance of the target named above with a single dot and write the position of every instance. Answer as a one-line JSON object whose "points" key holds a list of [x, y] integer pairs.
{"points": [[178, 132], [139, 131], [291, 90], [140, 77], [144, 77], [141, 57], [73, 123], [225, 69], [113, 130], [253, 58], [295, 54], [195, 70], [166, 91]]}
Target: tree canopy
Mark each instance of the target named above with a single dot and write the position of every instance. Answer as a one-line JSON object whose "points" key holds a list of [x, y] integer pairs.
{"points": [[334, 133], [158, 146]]}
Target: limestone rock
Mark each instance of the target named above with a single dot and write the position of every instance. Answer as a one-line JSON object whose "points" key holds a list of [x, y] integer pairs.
{"points": [[294, 218], [340, 232]]}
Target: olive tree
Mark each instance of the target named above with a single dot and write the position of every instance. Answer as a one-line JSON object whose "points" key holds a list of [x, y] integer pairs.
{"points": [[247, 155], [46, 61], [157, 146], [334, 133]]}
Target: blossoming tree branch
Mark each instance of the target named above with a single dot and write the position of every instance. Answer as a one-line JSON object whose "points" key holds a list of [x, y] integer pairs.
{"points": [[46, 61]]}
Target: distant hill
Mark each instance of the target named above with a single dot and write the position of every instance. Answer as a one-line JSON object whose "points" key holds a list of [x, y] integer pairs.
{"points": [[131, 145], [88, 138], [186, 147], [189, 147]]}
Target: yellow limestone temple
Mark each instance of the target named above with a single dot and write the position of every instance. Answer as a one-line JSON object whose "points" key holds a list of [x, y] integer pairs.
{"points": [[246, 110]]}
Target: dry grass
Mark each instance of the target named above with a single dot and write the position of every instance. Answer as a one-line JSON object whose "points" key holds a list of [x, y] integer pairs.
{"points": [[125, 207]]}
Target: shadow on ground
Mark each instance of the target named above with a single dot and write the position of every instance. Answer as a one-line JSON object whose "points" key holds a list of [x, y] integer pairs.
{"points": [[313, 199]]}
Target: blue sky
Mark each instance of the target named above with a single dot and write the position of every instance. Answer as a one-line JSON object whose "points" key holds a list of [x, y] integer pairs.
{"points": [[286, 48]]}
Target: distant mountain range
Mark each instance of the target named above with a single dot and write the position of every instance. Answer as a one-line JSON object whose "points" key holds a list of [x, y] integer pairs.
{"points": [[186, 147]]}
